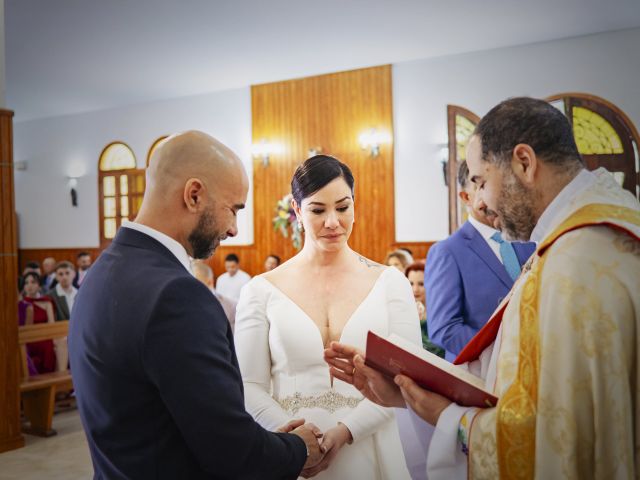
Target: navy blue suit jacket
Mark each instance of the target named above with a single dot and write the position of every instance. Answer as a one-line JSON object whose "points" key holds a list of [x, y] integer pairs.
{"points": [[156, 376], [464, 283]]}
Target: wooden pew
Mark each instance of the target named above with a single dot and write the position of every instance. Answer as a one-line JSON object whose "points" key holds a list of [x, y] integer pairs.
{"points": [[38, 392]]}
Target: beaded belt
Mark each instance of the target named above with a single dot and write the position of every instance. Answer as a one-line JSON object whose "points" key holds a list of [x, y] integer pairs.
{"points": [[329, 400]]}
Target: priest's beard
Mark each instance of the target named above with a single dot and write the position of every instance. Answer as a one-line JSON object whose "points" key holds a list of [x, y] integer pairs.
{"points": [[205, 238], [515, 208]]}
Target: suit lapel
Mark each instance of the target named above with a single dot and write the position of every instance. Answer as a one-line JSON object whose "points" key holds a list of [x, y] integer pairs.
{"points": [[479, 246], [522, 251], [65, 307], [134, 238]]}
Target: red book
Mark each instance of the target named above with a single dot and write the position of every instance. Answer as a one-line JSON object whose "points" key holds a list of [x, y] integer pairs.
{"points": [[396, 355]]}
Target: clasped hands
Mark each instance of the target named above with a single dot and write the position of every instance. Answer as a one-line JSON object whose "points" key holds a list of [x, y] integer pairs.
{"points": [[347, 363], [322, 447]]}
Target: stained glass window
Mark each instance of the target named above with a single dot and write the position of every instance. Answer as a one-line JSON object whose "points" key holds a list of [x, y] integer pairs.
{"points": [[117, 156], [109, 207], [605, 136], [124, 185], [110, 228], [464, 130], [109, 186], [594, 135], [155, 145], [137, 203], [118, 176], [138, 185], [461, 125], [124, 206]]}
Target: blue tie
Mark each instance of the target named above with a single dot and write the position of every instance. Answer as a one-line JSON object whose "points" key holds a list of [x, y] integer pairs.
{"points": [[508, 255]]}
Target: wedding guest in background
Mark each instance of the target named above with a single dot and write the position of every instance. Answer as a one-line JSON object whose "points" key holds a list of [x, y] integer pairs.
{"points": [[408, 253], [469, 273], [48, 273], [287, 316], [64, 296], [397, 259], [25, 317], [83, 262], [271, 262], [231, 282], [203, 272], [32, 267], [29, 267], [415, 274], [64, 293], [36, 308]]}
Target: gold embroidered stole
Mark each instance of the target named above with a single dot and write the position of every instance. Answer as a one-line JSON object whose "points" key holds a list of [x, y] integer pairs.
{"points": [[516, 415]]}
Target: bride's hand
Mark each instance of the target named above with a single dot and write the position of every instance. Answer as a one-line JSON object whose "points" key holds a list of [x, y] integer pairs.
{"points": [[347, 364], [332, 441]]}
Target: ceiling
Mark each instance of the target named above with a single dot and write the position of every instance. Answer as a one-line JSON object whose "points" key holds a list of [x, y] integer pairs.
{"points": [[71, 56]]}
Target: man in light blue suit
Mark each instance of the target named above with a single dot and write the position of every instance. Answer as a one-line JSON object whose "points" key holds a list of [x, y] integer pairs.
{"points": [[469, 273]]}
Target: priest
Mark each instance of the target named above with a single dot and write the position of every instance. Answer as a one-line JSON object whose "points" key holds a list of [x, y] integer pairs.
{"points": [[561, 352]]}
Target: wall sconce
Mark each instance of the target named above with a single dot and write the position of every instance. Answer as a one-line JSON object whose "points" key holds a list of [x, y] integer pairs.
{"points": [[372, 139], [443, 155], [73, 183], [264, 150]]}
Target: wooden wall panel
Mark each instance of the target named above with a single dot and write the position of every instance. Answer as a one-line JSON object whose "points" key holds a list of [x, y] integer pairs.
{"points": [[327, 111], [10, 436], [26, 255]]}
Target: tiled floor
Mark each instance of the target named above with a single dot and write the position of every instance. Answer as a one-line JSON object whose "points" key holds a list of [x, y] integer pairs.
{"points": [[62, 457]]}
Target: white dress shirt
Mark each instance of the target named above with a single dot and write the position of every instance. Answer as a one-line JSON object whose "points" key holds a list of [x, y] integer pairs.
{"points": [[230, 286], [81, 275], [487, 232], [70, 295], [172, 245]]}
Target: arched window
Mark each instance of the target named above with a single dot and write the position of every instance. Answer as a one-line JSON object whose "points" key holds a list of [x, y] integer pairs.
{"points": [[120, 189], [605, 136], [461, 123], [155, 145]]}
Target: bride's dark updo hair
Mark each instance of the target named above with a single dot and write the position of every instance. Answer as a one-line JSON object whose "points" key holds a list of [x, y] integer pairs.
{"points": [[315, 173]]}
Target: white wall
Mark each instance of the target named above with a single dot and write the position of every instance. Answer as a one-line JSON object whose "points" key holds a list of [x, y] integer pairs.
{"points": [[58, 147], [2, 68], [606, 65]]}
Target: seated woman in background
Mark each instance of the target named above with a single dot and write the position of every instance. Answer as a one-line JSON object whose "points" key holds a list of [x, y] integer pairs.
{"points": [[397, 259], [415, 274], [37, 308], [288, 316]]}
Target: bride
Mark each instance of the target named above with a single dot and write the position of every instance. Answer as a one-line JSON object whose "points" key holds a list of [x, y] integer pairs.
{"points": [[287, 317]]}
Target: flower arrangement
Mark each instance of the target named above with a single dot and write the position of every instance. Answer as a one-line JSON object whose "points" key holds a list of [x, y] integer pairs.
{"points": [[285, 219]]}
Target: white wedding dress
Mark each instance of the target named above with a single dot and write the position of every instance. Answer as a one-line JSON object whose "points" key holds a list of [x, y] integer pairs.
{"points": [[280, 352]]}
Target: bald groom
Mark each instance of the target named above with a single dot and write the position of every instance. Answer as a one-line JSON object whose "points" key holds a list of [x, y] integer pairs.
{"points": [[154, 367]]}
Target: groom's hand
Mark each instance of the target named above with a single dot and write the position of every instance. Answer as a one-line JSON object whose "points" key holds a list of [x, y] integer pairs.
{"points": [[310, 434], [334, 439], [291, 425]]}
